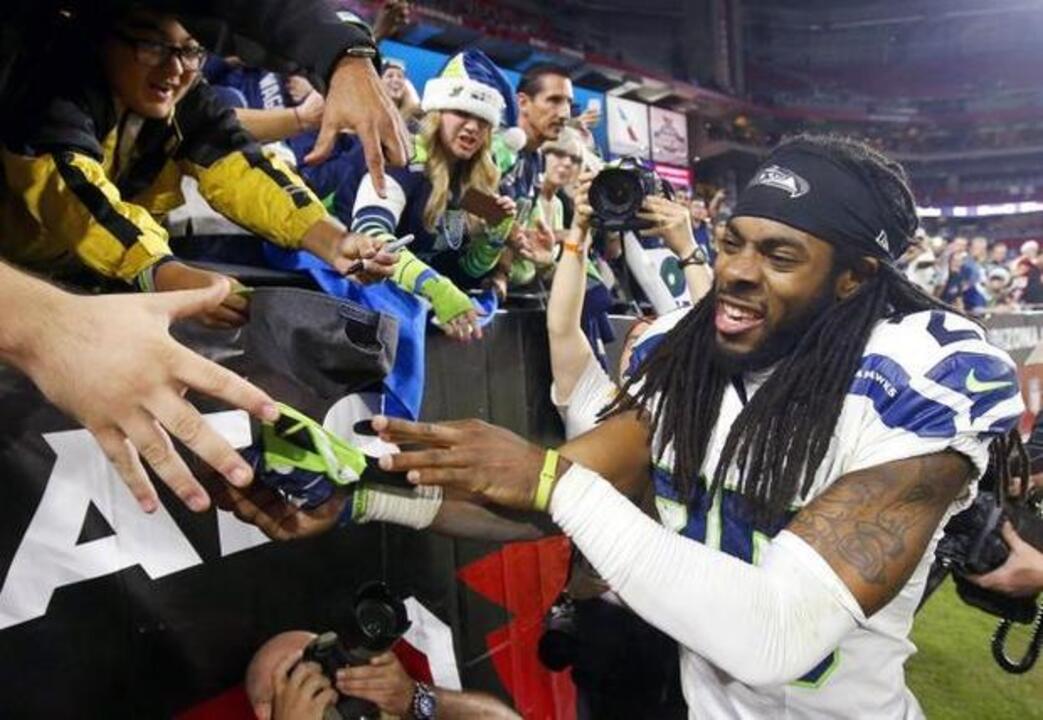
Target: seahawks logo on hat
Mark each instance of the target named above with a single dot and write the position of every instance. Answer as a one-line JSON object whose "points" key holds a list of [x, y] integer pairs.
{"points": [[782, 179], [881, 240]]}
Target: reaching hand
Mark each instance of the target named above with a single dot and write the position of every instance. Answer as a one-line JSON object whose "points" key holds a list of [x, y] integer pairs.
{"points": [[298, 88], [358, 102], [453, 309], [383, 682], [589, 119], [540, 246], [464, 327], [232, 312], [109, 362], [300, 693], [672, 222], [343, 250], [468, 455]]}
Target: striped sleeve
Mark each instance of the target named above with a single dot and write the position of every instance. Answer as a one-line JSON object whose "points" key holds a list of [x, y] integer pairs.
{"points": [[82, 210], [240, 179], [257, 190], [378, 216]]}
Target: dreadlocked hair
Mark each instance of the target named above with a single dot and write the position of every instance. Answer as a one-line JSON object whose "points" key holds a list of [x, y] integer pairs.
{"points": [[783, 433]]}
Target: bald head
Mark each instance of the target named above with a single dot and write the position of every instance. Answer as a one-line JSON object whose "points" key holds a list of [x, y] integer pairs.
{"points": [[258, 682]]}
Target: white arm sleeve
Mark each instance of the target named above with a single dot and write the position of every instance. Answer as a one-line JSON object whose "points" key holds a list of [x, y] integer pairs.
{"points": [[416, 509], [763, 625]]}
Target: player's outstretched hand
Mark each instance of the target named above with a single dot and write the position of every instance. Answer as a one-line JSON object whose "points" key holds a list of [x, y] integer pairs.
{"points": [[109, 362], [466, 455]]}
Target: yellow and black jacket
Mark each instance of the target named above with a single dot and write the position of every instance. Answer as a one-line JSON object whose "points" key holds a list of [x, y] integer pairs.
{"points": [[82, 183]]}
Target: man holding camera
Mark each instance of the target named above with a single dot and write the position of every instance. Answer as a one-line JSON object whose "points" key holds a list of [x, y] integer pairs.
{"points": [[280, 686]]}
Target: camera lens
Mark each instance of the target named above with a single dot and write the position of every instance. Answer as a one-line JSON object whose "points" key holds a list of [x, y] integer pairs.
{"points": [[616, 194], [376, 619]]}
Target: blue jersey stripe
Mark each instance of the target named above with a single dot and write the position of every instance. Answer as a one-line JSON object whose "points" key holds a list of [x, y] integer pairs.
{"points": [[984, 379], [886, 384]]}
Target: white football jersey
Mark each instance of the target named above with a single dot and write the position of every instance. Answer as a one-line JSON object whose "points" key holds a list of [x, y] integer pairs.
{"points": [[927, 383]]}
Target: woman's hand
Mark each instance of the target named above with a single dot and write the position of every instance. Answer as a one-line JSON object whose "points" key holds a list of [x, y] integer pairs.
{"points": [[583, 213], [540, 246], [671, 221]]}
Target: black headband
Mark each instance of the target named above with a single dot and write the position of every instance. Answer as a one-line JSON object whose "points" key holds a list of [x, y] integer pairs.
{"points": [[809, 191]]}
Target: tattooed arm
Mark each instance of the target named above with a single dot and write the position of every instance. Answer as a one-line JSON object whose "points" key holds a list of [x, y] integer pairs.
{"points": [[872, 526], [844, 556]]}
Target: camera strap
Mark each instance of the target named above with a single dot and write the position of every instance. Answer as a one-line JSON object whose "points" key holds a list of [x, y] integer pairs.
{"points": [[1028, 660]]}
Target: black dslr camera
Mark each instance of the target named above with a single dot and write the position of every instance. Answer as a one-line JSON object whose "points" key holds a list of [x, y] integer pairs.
{"points": [[377, 620], [617, 192], [973, 545]]}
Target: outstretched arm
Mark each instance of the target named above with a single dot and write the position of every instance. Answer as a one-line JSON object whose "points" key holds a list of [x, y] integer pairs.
{"points": [[77, 350], [570, 350], [843, 557], [618, 448]]}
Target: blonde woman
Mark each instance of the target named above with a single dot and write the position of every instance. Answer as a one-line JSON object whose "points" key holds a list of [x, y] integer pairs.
{"points": [[451, 155]]}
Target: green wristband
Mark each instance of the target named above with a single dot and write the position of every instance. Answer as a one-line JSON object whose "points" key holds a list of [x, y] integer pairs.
{"points": [[548, 476]]}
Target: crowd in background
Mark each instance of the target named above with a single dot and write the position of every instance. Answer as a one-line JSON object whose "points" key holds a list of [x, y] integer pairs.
{"points": [[976, 275]]}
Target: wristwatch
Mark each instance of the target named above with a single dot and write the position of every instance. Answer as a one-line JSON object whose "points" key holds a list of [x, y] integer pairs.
{"points": [[425, 703], [696, 257]]}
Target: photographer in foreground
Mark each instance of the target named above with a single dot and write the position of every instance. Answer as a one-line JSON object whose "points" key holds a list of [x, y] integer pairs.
{"points": [[281, 687], [1021, 575]]}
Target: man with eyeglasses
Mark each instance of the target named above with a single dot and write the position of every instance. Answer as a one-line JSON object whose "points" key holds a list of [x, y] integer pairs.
{"points": [[98, 162]]}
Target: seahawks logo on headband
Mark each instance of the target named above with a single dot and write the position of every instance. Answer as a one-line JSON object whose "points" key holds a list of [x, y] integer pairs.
{"points": [[782, 179]]}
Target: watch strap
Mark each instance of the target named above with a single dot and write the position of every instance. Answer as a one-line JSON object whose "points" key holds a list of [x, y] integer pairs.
{"points": [[425, 702], [696, 257]]}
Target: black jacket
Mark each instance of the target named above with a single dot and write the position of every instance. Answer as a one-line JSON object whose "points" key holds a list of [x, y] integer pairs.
{"points": [[301, 36]]}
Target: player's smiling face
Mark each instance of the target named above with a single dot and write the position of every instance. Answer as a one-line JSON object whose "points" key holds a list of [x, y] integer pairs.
{"points": [[771, 281]]}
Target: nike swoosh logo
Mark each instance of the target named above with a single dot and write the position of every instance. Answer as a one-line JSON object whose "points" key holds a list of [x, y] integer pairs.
{"points": [[978, 386]]}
